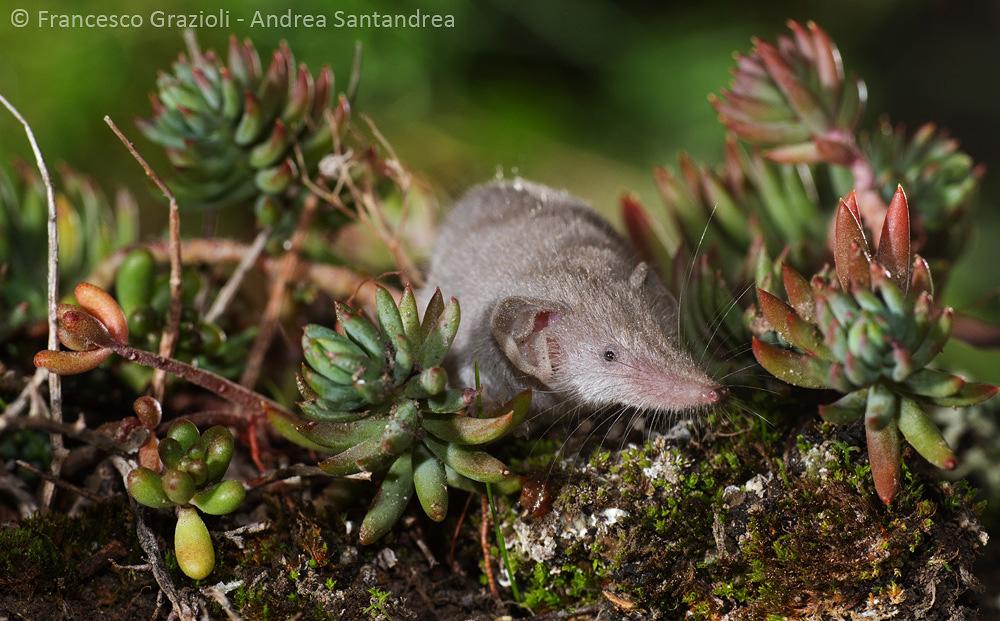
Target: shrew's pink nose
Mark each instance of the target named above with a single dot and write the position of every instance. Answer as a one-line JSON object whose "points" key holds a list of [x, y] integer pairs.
{"points": [[715, 395]]}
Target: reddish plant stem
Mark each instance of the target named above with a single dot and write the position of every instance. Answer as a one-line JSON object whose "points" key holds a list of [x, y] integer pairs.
{"points": [[227, 389], [170, 333], [484, 542], [272, 312]]}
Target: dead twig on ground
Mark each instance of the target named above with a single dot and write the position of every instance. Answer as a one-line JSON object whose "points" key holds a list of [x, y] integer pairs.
{"points": [[79, 491], [55, 385], [182, 606], [170, 333], [80, 433]]}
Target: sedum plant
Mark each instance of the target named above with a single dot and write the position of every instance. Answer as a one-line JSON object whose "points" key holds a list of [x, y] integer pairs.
{"points": [[231, 127], [869, 328], [90, 229], [189, 481], [377, 397], [142, 289], [794, 146]]}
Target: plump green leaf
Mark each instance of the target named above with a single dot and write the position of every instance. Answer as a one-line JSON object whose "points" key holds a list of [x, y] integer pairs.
{"points": [[431, 483], [476, 465], [134, 280], [393, 495], [467, 430], [147, 488], [920, 431], [178, 486], [847, 409], [219, 446], [185, 432], [193, 545], [219, 499]]}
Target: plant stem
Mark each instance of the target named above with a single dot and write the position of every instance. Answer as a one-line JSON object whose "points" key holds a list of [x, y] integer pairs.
{"points": [[502, 544], [170, 333], [227, 389], [272, 312], [55, 382]]}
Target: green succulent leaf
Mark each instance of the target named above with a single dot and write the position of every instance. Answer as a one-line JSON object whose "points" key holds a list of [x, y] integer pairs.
{"points": [[193, 545], [476, 465], [847, 409], [468, 430], [221, 498], [146, 487], [431, 483], [184, 432], [923, 434], [393, 495]]}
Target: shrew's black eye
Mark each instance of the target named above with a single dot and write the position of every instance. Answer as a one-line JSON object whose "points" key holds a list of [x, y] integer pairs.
{"points": [[610, 356]]}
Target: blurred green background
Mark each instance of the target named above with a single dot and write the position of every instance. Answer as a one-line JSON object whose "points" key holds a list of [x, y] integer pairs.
{"points": [[585, 95]]}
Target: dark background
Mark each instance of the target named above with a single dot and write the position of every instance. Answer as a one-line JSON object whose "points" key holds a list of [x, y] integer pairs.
{"points": [[585, 95]]}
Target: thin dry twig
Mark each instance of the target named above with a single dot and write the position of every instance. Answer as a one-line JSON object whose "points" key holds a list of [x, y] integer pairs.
{"points": [[55, 384], [374, 215], [336, 281], [218, 593], [272, 311], [170, 333], [484, 542], [290, 472], [79, 491], [17, 405], [181, 606], [79, 433], [236, 535], [355, 81], [232, 286]]}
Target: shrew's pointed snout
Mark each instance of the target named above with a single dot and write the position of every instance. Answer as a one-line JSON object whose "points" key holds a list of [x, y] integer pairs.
{"points": [[714, 396]]}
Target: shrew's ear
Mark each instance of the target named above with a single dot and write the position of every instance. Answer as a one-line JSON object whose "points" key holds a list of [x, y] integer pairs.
{"points": [[522, 328]]}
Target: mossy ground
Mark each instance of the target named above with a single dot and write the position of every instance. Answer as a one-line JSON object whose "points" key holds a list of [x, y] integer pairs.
{"points": [[732, 518]]}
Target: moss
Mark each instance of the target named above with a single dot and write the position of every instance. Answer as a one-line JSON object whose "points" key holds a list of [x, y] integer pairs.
{"points": [[47, 550], [716, 527]]}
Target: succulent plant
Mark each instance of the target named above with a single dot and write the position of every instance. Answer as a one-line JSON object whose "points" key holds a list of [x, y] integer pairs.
{"points": [[793, 98], [938, 177], [90, 229], [869, 328], [230, 128], [190, 480], [143, 291], [794, 146], [378, 398]]}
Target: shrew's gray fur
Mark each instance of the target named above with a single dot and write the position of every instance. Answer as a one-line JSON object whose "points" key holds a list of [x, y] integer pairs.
{"points": [[553, 298]]}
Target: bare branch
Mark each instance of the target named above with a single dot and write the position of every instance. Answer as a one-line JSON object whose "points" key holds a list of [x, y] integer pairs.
{"points": [[79, 491], [232, 286], [272, 311], [169, 337], [55, 384], [336, 281], [182, 607]]}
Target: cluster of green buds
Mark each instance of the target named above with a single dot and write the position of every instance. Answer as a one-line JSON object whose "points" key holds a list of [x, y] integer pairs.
{"points": [[187, 476], [869, 329], [142, 289], [91, 227], [231, 128], [378, 398]]}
